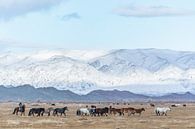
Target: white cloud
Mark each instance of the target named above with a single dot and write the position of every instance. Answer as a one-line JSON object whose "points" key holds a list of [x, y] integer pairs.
{"points": [[152, 11], [12, 8]]}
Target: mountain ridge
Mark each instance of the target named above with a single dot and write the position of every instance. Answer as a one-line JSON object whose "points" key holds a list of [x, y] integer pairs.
{"points": [[29, 93]]}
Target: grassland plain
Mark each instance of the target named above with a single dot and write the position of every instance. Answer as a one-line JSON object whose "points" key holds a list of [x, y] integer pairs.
{"points": [[178, 118]]}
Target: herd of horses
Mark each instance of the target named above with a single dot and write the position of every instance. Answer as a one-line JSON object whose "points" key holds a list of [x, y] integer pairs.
{"points": [[41, 111], [92, 111]]}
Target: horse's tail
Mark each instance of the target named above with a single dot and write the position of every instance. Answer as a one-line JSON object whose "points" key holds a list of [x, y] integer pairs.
{"points": [[78, 112], [14, 111], [30, 112]]}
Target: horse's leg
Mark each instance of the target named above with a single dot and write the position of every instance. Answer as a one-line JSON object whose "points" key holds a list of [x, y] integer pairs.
{"points": [[158, 113]]}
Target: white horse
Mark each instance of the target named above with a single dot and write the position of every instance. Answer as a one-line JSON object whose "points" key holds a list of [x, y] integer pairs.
{"points": [[162, 111], [83, 111]]}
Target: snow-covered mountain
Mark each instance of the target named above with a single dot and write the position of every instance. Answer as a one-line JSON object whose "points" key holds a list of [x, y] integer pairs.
{"points": [[150, 71]]}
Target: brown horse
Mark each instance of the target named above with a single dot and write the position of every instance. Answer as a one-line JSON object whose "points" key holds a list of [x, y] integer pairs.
{"points": [[126, 110], [134, 111], [20, 109], [115, 111]]}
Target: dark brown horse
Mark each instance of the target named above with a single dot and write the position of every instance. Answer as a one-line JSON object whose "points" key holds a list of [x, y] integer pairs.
{"points": [[20, 109], [134, 111], [114, 111], [100, 111], [152, 105]]}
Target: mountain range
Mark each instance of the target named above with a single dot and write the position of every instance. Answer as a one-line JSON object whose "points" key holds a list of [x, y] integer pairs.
{"points": [[142, 71], [29, 93]]}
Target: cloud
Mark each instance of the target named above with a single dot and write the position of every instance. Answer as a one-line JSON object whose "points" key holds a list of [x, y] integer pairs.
{"points": [[152, 11], [71, 16], [13, 8]]}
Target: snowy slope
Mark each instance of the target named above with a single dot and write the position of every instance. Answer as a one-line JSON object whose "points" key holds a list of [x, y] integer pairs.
{"points": [[84, 71]]}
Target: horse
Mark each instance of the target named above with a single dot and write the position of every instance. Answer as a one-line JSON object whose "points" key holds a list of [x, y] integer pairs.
{"points": [[152, 105], [48, 111], [83, 112], [162, 111], [53, 104], [173, 105], [19, 109], [134, 111], [38, 111], [139, 111], [126, 110], [92, 110], [100, 111], [60, 110], [115, 111], [93, 106]]}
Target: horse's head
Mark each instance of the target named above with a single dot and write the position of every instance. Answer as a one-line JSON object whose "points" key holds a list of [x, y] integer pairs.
{"points": [[143, 109], [66, 108]]}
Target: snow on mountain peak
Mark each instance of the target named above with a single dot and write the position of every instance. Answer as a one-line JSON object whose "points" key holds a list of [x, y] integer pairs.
{"points": [[82, 71]]}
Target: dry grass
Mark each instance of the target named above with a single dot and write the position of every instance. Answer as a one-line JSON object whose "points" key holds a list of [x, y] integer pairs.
{"points": [[178, 118]]}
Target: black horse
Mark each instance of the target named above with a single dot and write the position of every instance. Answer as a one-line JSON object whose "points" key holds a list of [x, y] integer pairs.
{"points": [[60, 110], [38, 111]]}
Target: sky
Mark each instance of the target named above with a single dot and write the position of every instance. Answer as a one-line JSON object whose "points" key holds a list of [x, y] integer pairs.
{"points": [[97, 24]]}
